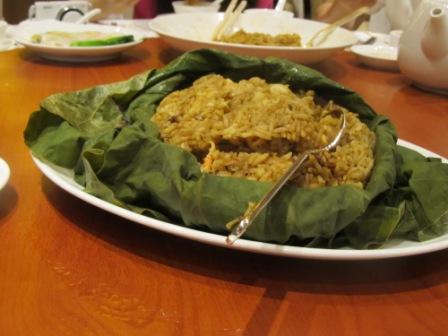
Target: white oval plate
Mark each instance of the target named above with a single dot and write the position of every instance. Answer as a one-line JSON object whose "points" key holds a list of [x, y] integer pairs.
{"points": [[23, 32], [379, 56], [190, 31], [4, 173], [397, 248]]}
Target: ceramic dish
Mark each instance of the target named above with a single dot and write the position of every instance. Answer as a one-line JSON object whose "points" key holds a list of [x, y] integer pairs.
{"points": [[27, 29], [202, 6], [381, 57], [194, 31], [392, 249], [4, 173], [140, 25]]}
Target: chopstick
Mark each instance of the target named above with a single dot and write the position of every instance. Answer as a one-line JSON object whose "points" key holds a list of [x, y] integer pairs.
{"points": [[230, 17], [332, 27], [228, 12], [280, 5]]}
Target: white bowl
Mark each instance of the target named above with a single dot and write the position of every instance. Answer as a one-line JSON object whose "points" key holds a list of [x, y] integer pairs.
{"points": [[3, 27], [381, 57], [268, 13], [4, 173], [190, 31], [395, 36], [203, 6]]}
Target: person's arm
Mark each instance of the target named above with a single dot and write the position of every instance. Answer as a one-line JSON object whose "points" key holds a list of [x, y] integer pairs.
{"points": [[332, 10]]}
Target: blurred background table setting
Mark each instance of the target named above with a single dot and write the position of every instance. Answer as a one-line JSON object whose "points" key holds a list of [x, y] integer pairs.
{"points": [[72, 266], [375, 26]]}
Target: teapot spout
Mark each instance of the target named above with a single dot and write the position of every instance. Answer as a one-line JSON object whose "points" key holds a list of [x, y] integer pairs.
{"points": [[435, 35]]}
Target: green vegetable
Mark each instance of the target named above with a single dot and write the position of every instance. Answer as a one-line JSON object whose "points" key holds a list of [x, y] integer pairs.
{"points": [[36, 38], [105, 135], [103, 42]]}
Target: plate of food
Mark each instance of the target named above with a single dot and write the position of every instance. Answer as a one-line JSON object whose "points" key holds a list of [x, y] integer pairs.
{"points": [[259, 34], [71, 42], [4, 173], [189, 147]]}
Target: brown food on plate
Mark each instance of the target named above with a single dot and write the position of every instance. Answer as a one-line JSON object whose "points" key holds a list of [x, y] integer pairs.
{"points": [[261, 39], [253, 129]]}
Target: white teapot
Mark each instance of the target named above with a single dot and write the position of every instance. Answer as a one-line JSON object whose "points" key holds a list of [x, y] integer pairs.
{"points": [[423, 48]]}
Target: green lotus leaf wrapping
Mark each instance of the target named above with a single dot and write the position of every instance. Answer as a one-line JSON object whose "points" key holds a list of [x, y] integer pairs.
{"points": [[104, 134]]}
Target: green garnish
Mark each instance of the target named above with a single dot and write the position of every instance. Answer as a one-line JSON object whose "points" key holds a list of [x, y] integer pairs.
{"points": [[103, 42]]}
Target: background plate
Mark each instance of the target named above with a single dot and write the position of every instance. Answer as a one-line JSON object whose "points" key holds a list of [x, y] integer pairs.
{"points": [[190, 31], [23, 32], [394, 248]]}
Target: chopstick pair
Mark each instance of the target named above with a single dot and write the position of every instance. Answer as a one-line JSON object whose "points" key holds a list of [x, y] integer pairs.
{"points": [[230, 16], [325, 32]]}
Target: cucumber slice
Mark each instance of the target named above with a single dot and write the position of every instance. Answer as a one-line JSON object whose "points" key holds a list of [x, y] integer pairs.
{"points": [[103, 42]]}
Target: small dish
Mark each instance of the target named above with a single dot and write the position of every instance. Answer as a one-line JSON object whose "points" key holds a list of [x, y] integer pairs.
{"points": [[25, 30], [381, 57], [6, 42], [202, 6], [267, 12], [3, 28], [139, 25], [4, 173]]}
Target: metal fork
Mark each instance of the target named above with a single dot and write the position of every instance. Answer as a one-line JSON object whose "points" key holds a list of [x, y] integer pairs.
{"points": [[246, 220]]}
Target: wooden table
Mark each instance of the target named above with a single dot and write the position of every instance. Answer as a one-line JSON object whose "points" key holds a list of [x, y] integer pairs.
{"points": [[67, 268]]}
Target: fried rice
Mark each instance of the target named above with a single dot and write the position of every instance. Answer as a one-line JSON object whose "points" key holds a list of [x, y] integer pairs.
{"points": [[261, 39], [254, 130]]}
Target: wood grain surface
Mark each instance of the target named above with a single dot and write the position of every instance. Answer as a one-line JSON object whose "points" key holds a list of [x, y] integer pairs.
{"points": [[67, 268]]}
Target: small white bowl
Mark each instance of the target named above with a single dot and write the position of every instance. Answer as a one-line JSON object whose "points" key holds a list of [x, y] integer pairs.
{"points": [[381, 57], [267, 12], [202, 6], [3, 27], [4, 173], [395, 36]]}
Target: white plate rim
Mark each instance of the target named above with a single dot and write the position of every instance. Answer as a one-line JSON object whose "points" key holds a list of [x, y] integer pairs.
{"points": [[5, 172], [66, 183]]}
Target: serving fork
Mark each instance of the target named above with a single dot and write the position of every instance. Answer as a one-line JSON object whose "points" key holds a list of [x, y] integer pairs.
{"points": [[240, 224]]}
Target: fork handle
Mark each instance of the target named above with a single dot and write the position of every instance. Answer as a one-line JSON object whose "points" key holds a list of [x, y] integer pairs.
{"points": [[253, 213]]}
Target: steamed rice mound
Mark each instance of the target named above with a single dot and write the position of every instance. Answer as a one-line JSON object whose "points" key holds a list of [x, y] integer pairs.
{"points": [[254, 130]]}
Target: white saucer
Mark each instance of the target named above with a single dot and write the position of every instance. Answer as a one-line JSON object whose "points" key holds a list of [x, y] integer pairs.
{"points": [[382, 57], [4, 173]]}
